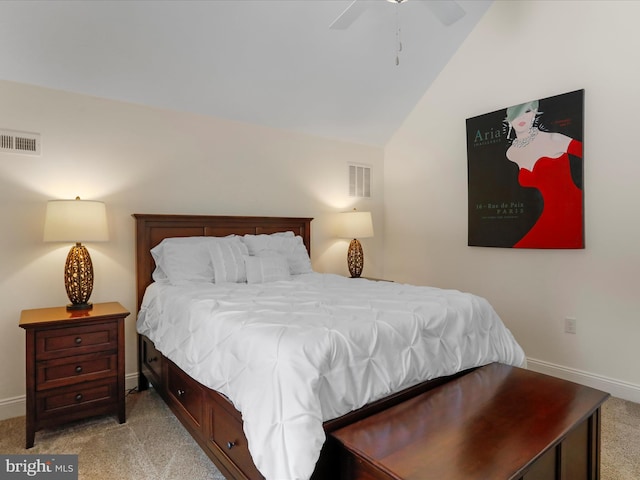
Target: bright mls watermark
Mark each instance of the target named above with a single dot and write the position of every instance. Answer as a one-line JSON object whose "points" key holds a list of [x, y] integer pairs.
{"points": [[38, 467]]}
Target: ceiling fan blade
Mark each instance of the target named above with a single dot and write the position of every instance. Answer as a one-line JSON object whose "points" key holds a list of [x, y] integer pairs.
{"points": [[447, 11], [351, 13]]}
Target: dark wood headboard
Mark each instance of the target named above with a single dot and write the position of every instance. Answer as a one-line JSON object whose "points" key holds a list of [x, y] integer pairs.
{"points": [[152, 229]]}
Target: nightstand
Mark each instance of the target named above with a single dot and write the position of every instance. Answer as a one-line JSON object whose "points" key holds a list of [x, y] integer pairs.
{"points": [[75, 364]]}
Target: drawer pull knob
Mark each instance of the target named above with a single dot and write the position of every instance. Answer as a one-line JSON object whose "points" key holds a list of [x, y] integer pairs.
{"points": [[152, 359], [79, 369], [78, 397], [181, 393], [78, 340], [230, 445]]}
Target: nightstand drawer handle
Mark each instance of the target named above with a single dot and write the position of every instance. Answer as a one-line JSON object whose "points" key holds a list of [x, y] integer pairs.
{"points": [[79, 369], [78, 397], [230, 445], [181, 393], [152, 359], [78, 340]]}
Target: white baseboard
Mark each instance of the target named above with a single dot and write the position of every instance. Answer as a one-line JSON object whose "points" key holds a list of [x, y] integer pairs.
{"points": [[617, 388], [16, 406], [12, 407]]}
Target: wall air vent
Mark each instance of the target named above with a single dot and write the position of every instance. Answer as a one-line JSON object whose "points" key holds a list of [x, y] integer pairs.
{"points": [[12, 141], [359, 181]]}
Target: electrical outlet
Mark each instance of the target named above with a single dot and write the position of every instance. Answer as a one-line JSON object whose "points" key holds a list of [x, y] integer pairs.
{"points": [[569, 325]]}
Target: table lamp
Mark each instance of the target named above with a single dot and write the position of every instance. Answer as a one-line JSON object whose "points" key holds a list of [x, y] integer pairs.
{"points": [[356, 225], [77, 221]]}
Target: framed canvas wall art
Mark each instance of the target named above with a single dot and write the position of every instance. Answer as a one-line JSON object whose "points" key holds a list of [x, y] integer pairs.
{"points": [[525, 175]]}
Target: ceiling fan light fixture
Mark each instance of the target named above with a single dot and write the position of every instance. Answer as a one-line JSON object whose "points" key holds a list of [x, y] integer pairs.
{"points": [[447, 11]]}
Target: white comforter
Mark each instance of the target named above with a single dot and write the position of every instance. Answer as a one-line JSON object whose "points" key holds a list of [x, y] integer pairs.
{"points": [[292, 354]]}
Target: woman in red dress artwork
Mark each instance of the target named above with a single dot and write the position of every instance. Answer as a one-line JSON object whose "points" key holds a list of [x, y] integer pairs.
{"points": [[543, 160]]}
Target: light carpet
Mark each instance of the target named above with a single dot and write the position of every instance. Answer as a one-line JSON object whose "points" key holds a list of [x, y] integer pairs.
{"points": [[153, 445]]}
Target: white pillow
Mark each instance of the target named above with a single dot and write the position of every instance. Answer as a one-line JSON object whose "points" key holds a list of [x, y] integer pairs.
{"points": [[298, 257], [257, 243], [284, 243], [158, 275], [227, 257], [267, 268], [183, 259]]}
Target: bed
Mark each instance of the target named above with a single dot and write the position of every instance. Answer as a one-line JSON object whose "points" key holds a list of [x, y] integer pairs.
{"points": [[210, 414]]}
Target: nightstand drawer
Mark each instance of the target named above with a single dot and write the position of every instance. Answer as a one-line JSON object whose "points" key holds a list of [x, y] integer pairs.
{"points": [[69, 370], [85, 396], [78, 340]]}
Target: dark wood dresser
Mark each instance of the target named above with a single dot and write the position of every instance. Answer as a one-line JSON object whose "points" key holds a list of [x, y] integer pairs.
{"points": [[497, 422], [75, 364]]}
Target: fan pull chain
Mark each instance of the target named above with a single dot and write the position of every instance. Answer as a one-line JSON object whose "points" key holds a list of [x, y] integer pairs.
{"points": [[398, 38]]}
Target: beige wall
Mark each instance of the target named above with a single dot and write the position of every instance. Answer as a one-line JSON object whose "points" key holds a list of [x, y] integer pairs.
{"points": [[521, 51], [143, 160]]}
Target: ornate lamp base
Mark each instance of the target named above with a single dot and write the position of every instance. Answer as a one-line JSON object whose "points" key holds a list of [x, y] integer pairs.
{"points": [[79, 306], [78, 278], [355, 258]]}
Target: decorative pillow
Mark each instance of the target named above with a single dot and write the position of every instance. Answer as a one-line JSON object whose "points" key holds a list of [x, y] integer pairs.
{"points": [[266, 268], [183, 259], [284, 243], [227, 257]]}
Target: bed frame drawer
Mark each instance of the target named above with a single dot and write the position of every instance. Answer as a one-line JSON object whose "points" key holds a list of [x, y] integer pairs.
{"points": [[225, 434], [185, 393], [151, 361]]}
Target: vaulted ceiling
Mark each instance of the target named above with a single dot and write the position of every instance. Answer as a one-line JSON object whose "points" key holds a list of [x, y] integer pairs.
{"points": [[269, 62]]}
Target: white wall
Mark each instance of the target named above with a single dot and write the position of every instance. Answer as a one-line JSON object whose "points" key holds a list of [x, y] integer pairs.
{"points": [[518, 52], [143, 160]]}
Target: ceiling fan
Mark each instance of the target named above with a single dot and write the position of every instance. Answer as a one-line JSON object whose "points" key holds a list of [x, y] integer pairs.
{"points": [[447, 11]]}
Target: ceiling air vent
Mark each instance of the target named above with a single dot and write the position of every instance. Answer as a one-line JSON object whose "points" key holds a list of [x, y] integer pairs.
{"points": [[359, 181], [12, 141]]}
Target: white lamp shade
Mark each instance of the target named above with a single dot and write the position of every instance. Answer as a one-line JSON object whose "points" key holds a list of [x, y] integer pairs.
{"points": [[75, 221], [356, 225]]}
